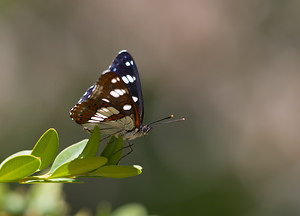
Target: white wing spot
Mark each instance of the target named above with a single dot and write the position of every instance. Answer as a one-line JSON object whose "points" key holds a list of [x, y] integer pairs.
{"points": [[105, 112], [125, 80], [105, 100], [126, 107], [114, 80], [114, 94], [135, 99], [99, 115], [120, 91], [113, 110], [96, 118], [130, 78], [127, 63], [93, 121], [131, 62]]}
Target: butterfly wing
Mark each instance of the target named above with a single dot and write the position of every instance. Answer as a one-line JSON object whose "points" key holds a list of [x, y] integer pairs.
{"points": [[109, 104], [125, 67]]}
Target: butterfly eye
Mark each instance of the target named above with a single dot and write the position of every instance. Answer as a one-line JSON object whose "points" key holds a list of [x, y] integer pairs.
{"points": [[146, 129]]}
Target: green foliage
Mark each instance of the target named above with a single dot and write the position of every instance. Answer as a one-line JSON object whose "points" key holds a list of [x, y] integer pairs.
{"points": [[36, 200], [117, 171], [46, 148], [77, 160], [78, 167], [68, 154], [92, 145], [19, 167], [42, 199], [113, 150]]}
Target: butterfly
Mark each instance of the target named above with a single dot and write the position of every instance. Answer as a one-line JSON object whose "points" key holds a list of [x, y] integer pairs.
{"points": [[114, 102]]}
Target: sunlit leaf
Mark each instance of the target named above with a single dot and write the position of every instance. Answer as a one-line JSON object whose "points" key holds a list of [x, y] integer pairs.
{"points": [[46, 148], [19, 167], [54, 180], [24, 152], [92, 146], [68, 154], [79, 167], [117, 171]]}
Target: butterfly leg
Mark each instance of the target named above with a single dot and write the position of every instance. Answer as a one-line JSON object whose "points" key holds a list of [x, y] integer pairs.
{"points": [[129, 145]]}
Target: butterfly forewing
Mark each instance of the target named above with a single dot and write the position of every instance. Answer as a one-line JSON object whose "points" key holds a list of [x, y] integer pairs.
{"points": [[125, 67], [109, 104]]}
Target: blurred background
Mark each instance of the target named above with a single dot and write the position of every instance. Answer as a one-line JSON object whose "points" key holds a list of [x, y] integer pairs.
{"points": [[231, 68]]}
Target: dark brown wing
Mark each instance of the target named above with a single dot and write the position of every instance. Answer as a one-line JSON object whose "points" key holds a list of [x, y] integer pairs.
{"points": [[108, 100]]}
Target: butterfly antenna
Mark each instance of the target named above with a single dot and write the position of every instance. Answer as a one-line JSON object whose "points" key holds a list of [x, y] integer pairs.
{"points": [[163, 120]]}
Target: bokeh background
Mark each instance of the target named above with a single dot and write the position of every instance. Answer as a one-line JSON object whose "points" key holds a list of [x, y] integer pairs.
{"points": [[231, 68]]}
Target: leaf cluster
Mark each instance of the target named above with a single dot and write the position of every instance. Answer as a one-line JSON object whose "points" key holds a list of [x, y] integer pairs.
{"points": [[77, 160]]}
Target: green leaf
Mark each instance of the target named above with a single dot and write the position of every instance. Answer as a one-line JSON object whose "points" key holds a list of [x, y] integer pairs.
{"points": [[54, 180], [68, 154], [79, 167], [19, 167], [24, 152], [117, 171], [92, 146], [46, 148], [113, 150]]}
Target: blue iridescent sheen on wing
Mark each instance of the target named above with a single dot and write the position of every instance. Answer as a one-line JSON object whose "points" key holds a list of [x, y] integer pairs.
{"points": [[87, 94], [125, 67]]}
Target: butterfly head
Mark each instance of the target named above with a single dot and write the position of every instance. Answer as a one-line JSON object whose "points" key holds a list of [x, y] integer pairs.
{"points": [[143, 130]]}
